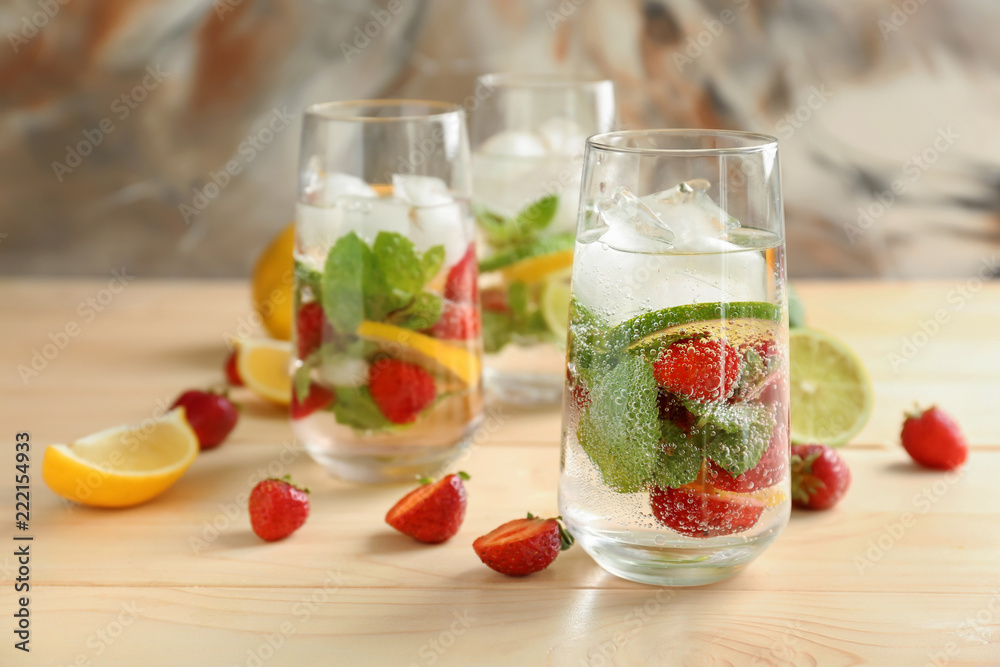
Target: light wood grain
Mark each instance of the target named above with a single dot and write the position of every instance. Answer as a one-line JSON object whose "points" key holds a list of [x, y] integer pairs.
{"points": [[890, 577]]}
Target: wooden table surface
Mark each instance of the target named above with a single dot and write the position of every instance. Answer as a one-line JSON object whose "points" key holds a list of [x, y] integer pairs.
{"points": [[905, 571]]}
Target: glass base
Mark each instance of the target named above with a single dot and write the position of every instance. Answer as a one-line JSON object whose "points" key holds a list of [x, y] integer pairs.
{"points": [[391, 468], [670, 565], [524, 389]]}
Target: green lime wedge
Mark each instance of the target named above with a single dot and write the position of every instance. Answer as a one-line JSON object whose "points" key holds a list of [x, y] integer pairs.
{"points": [[649, 328], [554, 303], [545, 246], [831, 393]]}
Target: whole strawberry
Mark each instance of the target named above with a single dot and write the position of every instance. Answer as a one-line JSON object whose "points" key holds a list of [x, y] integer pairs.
{"points": [[277, 508], [932, 439], [211, 416], [458, 321], [232, 372], [461, 283], [309, 328], [400, 390], [523, 546], [433, 512], [319, 397], [698, 513], [702, 369], [820, 478]]}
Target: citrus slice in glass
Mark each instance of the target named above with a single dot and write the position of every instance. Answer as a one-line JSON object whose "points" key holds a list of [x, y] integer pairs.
{"points": [[532, 263], [457, 360], [264, 365], [831, 393], [124, 465], [554, 303]]}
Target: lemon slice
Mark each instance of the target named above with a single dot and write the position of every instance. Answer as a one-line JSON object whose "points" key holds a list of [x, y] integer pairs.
{"points": [[539, 268], [122, 466], [463, 364], [831, 394], [554, 303], [265, 366]]}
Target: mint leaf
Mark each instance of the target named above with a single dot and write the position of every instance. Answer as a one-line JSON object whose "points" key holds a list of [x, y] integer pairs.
{"points": [[525, 249], [501, 232], [536, 216], [355, 408], [398, 262], [737, 435], [680, 459], [422, 313], [498, 330], [306, 276], [586, 339], [620, 430], [301, 383], [518, 301], [431, 263], [344, 282]]}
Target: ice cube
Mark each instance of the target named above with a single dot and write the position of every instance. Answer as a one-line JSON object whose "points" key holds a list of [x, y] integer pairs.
{"points": [[632, 225], [420, 190], [690, 212], [516, 143], [325, 189], [318, 228], [563, 136]]}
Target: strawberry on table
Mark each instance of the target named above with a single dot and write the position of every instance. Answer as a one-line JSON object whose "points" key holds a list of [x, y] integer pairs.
{"points": [[232, 373], [696, 513], [309, 328], [523, 546], [212, 416], [277, 508], [933, 439], [458, 321], [318, 398], [433, 512], [820, 478], [400, 390], [701, 369], [460, 284]]}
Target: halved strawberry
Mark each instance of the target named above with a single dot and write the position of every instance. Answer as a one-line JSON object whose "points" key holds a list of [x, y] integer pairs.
{"points": [[696, 513], [318, 398], [459, 321], [769, 470], [400, 390], [309, 328], [702, 369], [460, 285], [433, 512], [523, 546]]}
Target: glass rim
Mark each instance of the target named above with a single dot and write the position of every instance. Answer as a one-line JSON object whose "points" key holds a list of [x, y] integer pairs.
{"points": [[754, 142], [436, 109], [541, 81]]}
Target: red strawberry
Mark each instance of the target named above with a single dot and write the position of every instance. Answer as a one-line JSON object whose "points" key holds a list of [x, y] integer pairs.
{"points": [[523, 546], [318, 398], [309, 328], [278, 508], [232, 373], [431, 513], [820, 478], [705, 370], [459, 321], [211, 416], [460, 285], [400, 390], [932, 439], [697, 514], [672, 409], [769, 470], [495, 300]]}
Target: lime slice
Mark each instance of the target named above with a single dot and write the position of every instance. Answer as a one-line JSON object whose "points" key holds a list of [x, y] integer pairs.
{"points": [[560, 245], [649, 328], [831, 394], [554, 303]]}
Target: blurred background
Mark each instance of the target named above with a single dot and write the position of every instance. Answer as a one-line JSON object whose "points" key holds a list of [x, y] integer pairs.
{"points": [[120, 117]]}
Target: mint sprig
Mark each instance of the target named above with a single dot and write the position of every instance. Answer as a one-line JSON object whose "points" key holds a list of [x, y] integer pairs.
{"points": [[502, 232], [355, 408]]}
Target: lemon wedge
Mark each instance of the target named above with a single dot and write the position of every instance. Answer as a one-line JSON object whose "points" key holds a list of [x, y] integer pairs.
{"points": [[463, 364], [124, 465], [272, 284], [265, 366]]}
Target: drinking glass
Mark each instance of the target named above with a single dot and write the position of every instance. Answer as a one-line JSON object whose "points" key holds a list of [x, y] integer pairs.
{"points": [[675, 448], [388, 351], [529, 134]]}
